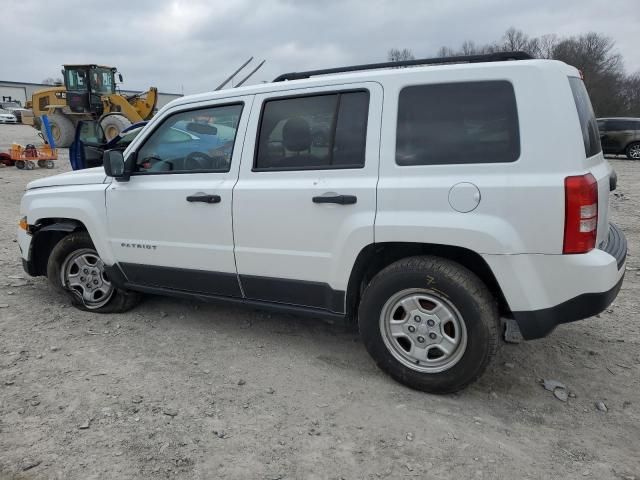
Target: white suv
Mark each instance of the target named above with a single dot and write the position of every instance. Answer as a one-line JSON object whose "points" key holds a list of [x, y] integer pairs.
{"points": [[432, 205]]}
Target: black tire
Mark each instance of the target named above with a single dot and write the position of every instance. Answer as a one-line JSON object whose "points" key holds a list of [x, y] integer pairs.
{"points": [[42, 163], [112, 125], [20, 164], [633, 151], [62, 130], [120, 300], [454, 285]]}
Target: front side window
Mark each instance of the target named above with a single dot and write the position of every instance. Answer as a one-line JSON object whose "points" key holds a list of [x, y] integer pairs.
{"points": [[313, 132], [193, 141], [457, 123]]}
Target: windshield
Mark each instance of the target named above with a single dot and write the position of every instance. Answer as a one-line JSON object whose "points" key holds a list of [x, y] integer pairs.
{"points": [[127, 138], [101, 80]]}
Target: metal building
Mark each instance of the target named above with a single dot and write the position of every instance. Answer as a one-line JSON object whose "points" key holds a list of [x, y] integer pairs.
{"points": [[22, 92]]}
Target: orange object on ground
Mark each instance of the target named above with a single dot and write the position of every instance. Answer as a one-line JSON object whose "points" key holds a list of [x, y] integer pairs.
{"points": [[45, 152]]}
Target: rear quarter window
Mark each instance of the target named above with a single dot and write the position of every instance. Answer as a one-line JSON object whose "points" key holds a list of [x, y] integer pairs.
{"points": [[588, 123], [457, 123]]}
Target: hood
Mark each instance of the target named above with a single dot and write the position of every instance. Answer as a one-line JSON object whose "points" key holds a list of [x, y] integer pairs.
{"points": [[87, 176]]}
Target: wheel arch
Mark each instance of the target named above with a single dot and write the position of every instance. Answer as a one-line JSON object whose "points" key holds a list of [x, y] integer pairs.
{"points": [[375, 257], [47, 232]]}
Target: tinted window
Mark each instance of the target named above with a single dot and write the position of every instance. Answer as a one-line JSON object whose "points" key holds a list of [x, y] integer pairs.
{"points": [[193, 141], [457, 123], [588, 124], [314, 132], [621, 125]]}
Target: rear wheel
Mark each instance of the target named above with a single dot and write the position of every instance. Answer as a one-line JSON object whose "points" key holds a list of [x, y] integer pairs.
{"points": [[20, 164], [112, 125], [75, 268], [429, 323], [62, 130], [633, 151]]}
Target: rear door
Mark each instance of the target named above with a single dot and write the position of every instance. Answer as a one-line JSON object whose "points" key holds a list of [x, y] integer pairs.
{"points": [[305, 202]]}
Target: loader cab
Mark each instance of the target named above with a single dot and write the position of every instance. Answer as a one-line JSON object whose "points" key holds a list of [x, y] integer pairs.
{"points": [[86, 84]]}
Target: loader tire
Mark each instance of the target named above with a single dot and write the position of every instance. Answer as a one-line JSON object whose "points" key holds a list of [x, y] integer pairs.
{"points": [[62, 130], [112, 125]]}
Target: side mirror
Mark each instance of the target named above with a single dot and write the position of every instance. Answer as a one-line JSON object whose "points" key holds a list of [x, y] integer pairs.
{"points": [[115, 165], [120, 77]]}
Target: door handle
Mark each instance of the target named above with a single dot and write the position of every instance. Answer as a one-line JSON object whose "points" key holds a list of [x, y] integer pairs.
{"points": [[339, 199], [204, 198]]}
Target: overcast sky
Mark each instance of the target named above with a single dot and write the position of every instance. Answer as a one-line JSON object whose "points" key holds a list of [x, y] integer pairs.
{"points": [[193, 45]]}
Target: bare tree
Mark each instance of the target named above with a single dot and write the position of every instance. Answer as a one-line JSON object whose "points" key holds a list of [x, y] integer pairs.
{"points": [[445, 52], [546, 45], [602, 68], [631, 94], [515, 40], [397, 55], [612, 91]]}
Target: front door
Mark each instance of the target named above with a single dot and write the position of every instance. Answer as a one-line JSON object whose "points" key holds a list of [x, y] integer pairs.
{"points": [[170, 224], [88, 145], [305, 202]]}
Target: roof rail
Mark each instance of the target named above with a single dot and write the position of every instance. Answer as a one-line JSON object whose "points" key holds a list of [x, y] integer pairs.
{"points": [[490, 57]]}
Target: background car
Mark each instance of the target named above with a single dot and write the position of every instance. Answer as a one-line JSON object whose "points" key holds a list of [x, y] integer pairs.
{"points": [[620, 136], [15, 108], [7, 117]]}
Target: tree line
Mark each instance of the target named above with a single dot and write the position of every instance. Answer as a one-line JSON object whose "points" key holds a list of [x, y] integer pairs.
{"points": [[613, 91]]}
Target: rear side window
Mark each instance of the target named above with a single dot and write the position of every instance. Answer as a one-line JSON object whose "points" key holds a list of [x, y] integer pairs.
{"points": [[457, 123], [313, 132], [588, 123], [620, 125]]}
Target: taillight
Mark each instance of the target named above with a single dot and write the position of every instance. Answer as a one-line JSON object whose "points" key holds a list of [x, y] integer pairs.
{"points": [[581, 213]]}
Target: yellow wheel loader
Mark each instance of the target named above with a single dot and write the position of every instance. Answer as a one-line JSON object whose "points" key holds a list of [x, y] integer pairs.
{"points": [[89, 93]]}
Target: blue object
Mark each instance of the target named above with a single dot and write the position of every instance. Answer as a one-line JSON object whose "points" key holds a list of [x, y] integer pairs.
{"points": [[76, 149], [47, 131]]}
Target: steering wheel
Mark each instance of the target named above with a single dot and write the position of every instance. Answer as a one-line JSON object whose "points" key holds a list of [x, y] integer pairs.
{"points": [[203, 161]]}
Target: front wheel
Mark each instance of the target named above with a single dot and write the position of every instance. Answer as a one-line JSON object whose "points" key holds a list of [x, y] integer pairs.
{"points": [[75, 268], [633, 151], [429, 323]]}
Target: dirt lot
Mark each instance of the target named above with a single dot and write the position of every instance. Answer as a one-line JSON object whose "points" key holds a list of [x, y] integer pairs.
{"points": [[192, 391]]}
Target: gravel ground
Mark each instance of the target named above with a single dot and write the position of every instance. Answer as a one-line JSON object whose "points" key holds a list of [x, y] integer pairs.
{"points": [[175, 389]]}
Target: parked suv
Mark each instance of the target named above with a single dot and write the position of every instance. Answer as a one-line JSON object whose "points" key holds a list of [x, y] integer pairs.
{"points": [[620, 136], [447, 202]]}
